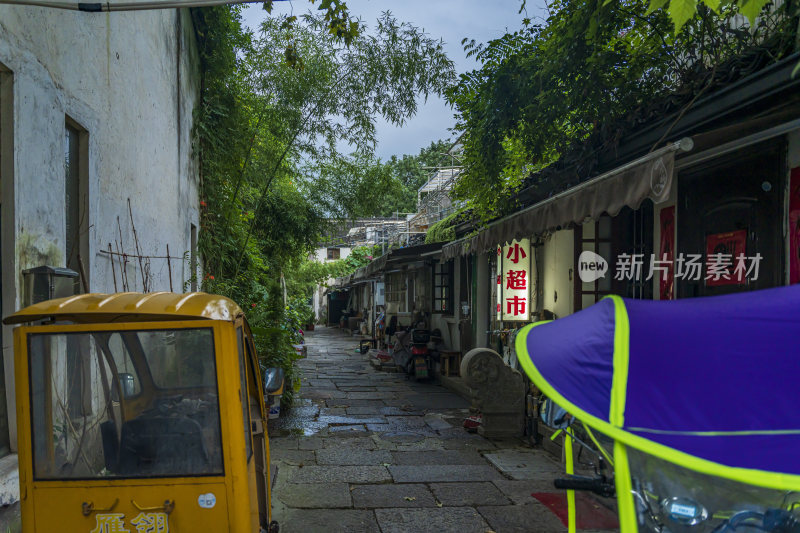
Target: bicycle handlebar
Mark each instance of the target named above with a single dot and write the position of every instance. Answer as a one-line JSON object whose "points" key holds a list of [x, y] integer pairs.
{"points": [[598, 485]]}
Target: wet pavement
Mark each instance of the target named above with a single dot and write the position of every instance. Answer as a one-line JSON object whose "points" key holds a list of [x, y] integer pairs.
{"points": [[370, 451]]}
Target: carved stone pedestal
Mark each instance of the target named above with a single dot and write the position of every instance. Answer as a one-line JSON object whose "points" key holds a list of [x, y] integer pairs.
{"points": [[497, 391]]}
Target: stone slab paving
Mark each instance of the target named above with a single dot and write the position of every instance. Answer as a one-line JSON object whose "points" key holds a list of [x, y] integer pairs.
{"points": [[438, 457], [324, 520], [456, 519], [520, 492], [519, 464], [353, 456], [521, 518], [347, 474], [292, 456], [316, 496], [370, 451], [387, 496], [460, 494], [434, 473]]}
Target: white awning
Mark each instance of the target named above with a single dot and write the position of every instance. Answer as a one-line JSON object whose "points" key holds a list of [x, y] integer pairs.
{"points": [[649, 176]]}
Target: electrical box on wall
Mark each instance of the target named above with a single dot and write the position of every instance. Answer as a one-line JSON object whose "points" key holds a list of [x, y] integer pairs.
{"points": [[45, 283], [380, 294]]}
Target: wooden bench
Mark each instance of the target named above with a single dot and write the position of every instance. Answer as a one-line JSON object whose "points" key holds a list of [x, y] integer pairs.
{"points": [[448, 358]]}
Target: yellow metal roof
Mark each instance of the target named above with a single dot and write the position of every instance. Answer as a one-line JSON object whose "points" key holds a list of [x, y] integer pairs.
{"points": [[130, 307]]}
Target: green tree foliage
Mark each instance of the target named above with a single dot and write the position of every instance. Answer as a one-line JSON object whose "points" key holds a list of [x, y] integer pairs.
{"points": [[410, 172], [275, 107], [574, 84], [311, 274], [351, 186], [445, 229], [682, 11]]}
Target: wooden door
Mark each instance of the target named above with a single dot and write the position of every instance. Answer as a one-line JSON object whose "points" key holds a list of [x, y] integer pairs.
{"points": [[740, 195]]}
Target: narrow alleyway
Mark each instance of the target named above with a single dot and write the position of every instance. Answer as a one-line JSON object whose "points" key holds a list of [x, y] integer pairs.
{"points": [[364, 450]]}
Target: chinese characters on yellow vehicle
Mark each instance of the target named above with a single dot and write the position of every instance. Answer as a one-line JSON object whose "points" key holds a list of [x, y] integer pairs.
{"points": [[142, 523]]}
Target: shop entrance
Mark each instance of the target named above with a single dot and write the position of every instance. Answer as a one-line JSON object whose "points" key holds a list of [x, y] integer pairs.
{"points": [[337, 305], [730, 206]]}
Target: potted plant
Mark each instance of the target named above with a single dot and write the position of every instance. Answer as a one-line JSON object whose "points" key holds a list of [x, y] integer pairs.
{"points": [[310, 319]]}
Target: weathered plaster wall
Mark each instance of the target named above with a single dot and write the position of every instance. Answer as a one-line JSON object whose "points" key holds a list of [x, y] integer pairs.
{"points": [[130, 80]]}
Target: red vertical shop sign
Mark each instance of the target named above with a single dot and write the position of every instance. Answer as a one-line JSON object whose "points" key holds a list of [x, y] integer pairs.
{"points": [[499, 283], [667, 280], [515, 282], [723, 263], [794, 226]]}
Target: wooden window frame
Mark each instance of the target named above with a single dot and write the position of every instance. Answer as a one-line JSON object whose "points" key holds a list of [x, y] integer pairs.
{"points": [[443, 280], [595, 241]]}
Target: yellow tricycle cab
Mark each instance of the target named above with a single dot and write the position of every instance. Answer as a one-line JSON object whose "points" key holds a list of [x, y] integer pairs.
{"points": [[141, 413]]}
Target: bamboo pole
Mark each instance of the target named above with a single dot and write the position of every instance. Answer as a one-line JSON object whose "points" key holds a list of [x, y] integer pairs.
{"points": [[113, 270], [84, 281], [136, 246], [169, 269]]}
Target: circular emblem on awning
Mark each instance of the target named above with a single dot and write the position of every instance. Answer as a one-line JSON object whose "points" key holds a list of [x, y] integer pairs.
{"points": [[658, 178]]}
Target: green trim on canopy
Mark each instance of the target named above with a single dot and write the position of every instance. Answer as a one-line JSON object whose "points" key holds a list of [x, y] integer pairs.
{"points": [[619, 385]]}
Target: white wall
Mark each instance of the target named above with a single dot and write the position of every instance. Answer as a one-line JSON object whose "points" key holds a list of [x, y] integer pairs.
{"points": [[481, 306], [131, 80], [558, 258], [321, 254]]}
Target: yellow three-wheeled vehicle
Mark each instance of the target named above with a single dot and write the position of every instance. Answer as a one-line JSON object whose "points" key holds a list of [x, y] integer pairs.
{"points": [[141, 413]]}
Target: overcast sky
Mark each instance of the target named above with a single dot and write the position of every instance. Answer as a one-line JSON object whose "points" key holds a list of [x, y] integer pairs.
{"points": [[450, 20]]}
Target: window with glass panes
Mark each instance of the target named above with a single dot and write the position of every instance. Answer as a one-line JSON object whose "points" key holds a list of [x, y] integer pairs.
{"points": [[72, 196], [443, 288], [396, 290], [78, 371], [594, 236]]}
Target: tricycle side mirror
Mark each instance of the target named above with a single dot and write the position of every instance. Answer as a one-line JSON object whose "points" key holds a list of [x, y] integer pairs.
{"points": [[273, 381], [127, 383], [554, 416]]}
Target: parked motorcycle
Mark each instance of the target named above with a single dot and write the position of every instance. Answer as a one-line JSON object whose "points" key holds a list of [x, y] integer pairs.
{"points": [[412, 353], [422, 367], [691, 403]]}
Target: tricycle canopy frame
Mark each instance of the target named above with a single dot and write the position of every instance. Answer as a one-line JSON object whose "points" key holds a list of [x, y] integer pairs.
{"points": [[708, 383]]}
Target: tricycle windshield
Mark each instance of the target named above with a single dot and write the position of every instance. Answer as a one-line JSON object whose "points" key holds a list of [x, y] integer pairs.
{"points": [[124, 404], [671, 498]]}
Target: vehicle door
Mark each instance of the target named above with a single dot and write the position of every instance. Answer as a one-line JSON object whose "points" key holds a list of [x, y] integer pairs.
{"points": [[259, 417], [120, 427]]}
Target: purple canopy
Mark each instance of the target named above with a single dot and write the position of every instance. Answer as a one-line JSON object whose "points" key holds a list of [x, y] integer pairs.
{"points": [[714, 378]]}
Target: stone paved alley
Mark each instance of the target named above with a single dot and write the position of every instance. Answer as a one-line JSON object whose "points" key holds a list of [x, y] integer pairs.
{"points": [[364, 450]]}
